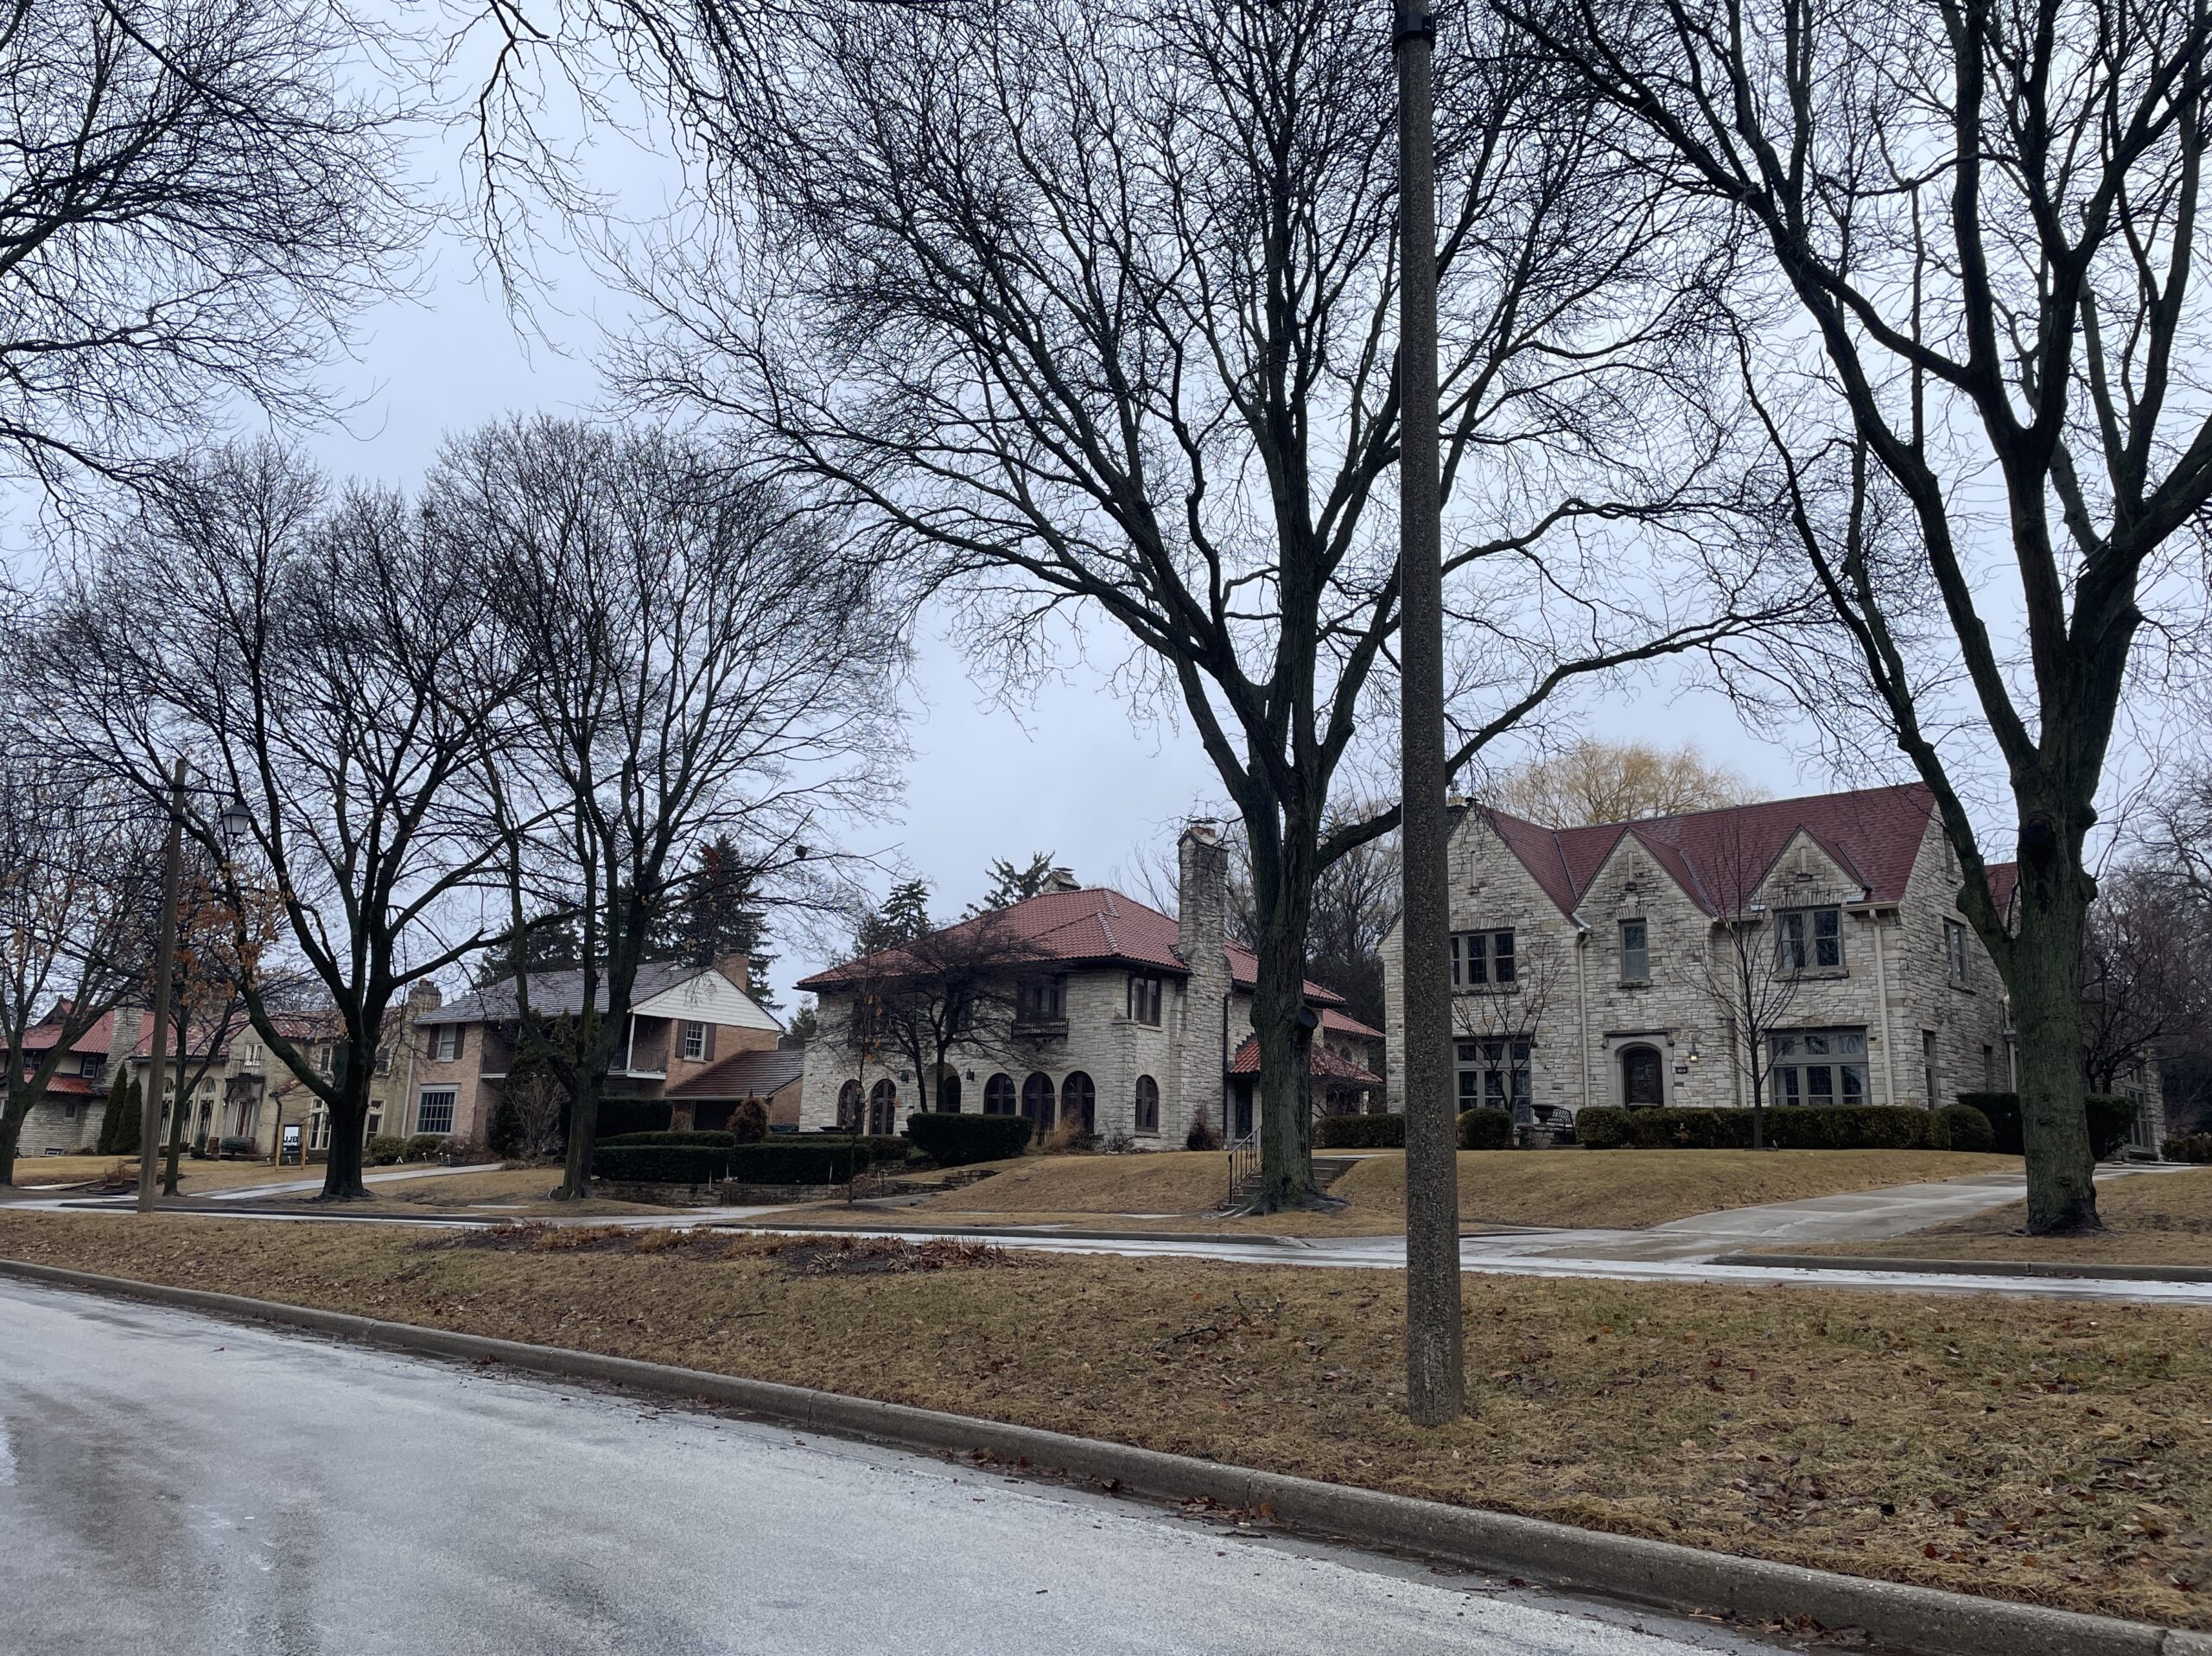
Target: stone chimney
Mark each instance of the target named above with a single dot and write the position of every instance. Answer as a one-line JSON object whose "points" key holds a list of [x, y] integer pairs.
{"points": [[1202, 910], [1061, 880]]}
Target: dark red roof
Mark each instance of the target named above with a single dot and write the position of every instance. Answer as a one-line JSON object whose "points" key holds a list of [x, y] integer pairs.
{"points": [[1322, 1064], [2004, 885], [1873, 834], [1345, 1023], [98, 1039], [1092, 926], [744, 1075]]}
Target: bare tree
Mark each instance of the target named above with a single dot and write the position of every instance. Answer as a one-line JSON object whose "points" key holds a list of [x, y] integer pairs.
{"points": [[704, 662], [330, 666], [1749, 969], [949, 988], [2144, 985], [1087, 310], [193, 198], [1987, 216]]}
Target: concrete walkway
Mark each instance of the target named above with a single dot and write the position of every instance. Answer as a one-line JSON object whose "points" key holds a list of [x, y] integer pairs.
{"points": [[255, 1192]]}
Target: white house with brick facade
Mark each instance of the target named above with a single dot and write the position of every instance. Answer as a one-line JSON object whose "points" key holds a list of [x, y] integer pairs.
{"points": [[1138, 1022], [1595, 965]]}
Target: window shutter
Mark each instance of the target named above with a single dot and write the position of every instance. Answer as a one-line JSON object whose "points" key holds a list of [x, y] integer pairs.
{"points": [[459, 1039], [709, 1053]]}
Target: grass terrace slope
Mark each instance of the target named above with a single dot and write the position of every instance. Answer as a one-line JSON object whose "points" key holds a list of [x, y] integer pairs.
{"points": [[2042, 1451]]}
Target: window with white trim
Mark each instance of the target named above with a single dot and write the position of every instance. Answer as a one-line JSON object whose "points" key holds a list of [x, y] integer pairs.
{"points": [[1815, 1067], [434, 1110], [1483, 959], [694, 1040], [1811, 939]]}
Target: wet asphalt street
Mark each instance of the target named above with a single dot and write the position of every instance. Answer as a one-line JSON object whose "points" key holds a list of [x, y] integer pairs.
{"points": [[177, 1486]]}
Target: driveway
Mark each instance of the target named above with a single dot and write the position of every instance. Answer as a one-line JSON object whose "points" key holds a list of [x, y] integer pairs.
{"points": [[229, 1491]]}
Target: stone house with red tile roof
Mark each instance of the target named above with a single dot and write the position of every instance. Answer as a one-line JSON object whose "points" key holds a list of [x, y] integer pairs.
{"points": [[1597, 964], [67, 1115], [1137, 1022]]}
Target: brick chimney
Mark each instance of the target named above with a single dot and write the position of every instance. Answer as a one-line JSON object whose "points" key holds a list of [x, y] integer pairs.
{"points": [[1202, 910], [738, 968]]}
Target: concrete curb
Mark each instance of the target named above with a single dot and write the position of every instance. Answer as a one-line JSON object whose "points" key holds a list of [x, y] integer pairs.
{"points": [[1970, 1267], [1657, 1573]]}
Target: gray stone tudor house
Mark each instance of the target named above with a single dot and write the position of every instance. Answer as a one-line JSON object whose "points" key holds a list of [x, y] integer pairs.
{"points": [[1601, 965], [1137, 1022]]}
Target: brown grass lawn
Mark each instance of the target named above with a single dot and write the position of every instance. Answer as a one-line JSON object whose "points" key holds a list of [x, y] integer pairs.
{"points": [[2153, 1219], [1613, 1189], [194, 1178], [2040, 1450], [518, 1192]]}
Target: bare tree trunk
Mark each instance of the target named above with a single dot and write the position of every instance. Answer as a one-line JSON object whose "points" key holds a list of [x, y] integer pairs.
{"points": [[584, 1135], [11, 1132], [1284, 1039], [1435, 1358], [349, 1120], [2046, 986]]}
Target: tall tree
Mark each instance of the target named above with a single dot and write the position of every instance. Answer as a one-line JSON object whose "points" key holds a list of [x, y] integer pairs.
{"points": [[714, 911], [1013, 883], [193, 195], [1087, 310], [1592, 781], [1985, 217], [704, 661], [330, 666]]}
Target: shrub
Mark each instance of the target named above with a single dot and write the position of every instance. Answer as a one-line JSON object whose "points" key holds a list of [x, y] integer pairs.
{"points": [[2111, 1119], [704, 1140], [1069, 1136], [385, 1149], [1816, 1127], [1601, 1126], [2002, 1111], [748, 1123], [236, 1147], [423, 1146], [954, 1141], [2191, 1147], [1485, 1129], [809, 1160], [1849, 1127], [661, 1163], [1360, 1133], [619, 1117], [1962, 1127], [1202, 1136], [507, 1134], [119, 1123]]}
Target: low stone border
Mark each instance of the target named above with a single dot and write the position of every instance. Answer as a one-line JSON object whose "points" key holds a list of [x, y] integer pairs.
{"points": [[1970, 1267], [1658, 1573]]}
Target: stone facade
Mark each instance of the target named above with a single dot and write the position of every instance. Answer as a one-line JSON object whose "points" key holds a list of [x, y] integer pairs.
{"points": [[1891, 1009]]}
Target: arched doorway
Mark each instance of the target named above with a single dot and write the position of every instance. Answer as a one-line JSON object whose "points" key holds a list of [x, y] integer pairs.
{"points": [[883, 1108], [1643, 1081], [947, 1092], [1037, 1101], [848, 1107], [1079, 1101]]}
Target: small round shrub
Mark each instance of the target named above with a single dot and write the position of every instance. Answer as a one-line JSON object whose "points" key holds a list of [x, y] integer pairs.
{"points": [[749, 1122], [1485, 1129], [1202, 1136], [1962, 1127], [2191, 1147], [385, 1149], [423, 1146]]}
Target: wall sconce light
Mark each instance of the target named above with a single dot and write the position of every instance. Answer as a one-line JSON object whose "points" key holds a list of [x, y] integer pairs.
{"points": [[1694, 1054]]}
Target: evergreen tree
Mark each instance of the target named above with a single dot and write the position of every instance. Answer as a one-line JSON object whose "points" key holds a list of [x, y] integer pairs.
{"points": [[119, 1127], [547, 946], [903, 916], [716, 911], [1013, 882]]}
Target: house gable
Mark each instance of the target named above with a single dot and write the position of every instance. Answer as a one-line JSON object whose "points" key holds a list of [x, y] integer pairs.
{"points": [[709, 997]]}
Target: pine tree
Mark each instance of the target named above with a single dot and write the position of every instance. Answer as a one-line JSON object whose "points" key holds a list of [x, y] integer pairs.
{"points": [[1013, 883], [119, 1126], [903, 916]]}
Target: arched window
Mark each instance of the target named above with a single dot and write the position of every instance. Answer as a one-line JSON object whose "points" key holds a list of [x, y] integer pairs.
{"points": [[1037, 1100], [848, 1107], [1079, 1099], [999, 1097], [1147, 1104], [883, 1108], [948, 1093]]}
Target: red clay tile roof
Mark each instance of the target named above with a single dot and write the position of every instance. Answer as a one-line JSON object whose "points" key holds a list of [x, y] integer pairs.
{"points": [[1093, 926], [743, 1075], [1873, 835], [1322, 1064], [1345, 1023]]}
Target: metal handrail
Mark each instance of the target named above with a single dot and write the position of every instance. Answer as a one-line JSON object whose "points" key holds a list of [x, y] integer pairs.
{"points": [[1243, 1161]]}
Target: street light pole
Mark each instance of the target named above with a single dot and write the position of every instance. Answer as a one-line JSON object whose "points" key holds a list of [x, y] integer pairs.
{"points": [[1435, 1361], [150, 1118]]}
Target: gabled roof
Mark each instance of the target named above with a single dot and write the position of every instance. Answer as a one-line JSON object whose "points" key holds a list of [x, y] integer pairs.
{"points": [[744, 1075], [1322, 1065], [554, 994], [40, 1037], [1345, 1023], [1091, 926], [1720, 856]]}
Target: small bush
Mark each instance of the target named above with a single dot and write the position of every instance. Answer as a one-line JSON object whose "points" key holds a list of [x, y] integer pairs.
{"points": [[661, 1163], [1068, 1136], [1202, 1136], [1962, 1127], [748, 1123], [2190, 1147], [809, 1160], [236, 1147], [705, 1140], [1601, 1126], [1485, 1129], [954, 1141], [2002, 1111], [1360, 1133], [2111, 1118], [423, 1146], [385, 1149]]}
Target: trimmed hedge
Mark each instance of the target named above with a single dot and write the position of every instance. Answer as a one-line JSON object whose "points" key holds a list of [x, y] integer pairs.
{"points": [[952, 1141], [705, 1140], [2190, 1147], [2110, 1119], [1808, 1127], [660, 1163], [802, 1161], [619, 1117], [1962, 1127], [1484, 1129], [1360, 1133]]}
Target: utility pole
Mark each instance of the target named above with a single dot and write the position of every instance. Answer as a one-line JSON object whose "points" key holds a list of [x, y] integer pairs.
{"points": [[1435, 1359], [150, 1118]]}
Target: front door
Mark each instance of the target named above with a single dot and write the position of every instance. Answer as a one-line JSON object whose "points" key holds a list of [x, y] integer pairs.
{"points": [[1243, 1109], [1642, 1082]]}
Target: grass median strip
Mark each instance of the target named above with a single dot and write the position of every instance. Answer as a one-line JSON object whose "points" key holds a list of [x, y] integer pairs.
{"points": [[2151, 1219], [2055, 1454]]}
